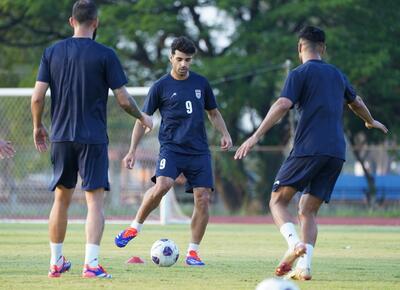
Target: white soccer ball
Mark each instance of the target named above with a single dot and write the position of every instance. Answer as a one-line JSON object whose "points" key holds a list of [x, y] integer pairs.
{"points": [[277, 284], [164, 253]]}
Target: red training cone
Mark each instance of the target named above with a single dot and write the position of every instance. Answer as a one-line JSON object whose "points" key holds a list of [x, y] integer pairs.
{"points": [[135, 260]]}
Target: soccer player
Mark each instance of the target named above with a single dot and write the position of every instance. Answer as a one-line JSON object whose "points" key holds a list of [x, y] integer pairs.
{"points": [[320, 91], [79, 72], [6, 149], [181, 96]]}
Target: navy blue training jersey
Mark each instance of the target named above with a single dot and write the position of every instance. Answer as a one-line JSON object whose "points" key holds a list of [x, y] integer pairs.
{"points": [[80, 72], [181, 104], [319, 91]]}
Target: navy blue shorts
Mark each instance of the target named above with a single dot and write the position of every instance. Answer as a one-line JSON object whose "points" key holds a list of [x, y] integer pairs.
{"points": [[196, 168], [315, 175], [90, 160]]}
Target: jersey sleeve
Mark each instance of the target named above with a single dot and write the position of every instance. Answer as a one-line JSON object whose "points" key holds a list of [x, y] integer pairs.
{"points": [[152, 101], [349, 92], [44, 69], [210, 102], [293, 86], [115, 75]]}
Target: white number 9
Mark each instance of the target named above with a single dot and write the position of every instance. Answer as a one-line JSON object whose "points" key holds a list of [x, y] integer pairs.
{"points": [[189, 108], [162, 163]]}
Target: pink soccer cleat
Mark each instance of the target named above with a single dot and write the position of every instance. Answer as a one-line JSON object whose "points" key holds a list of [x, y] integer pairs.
{"points": [[95, 272], [56, 271]]}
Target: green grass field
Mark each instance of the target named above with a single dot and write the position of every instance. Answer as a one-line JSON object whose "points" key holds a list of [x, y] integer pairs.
{"points": [[237, 257]]}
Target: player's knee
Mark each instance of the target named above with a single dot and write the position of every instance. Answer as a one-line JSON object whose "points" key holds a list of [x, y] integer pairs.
{"points": [[278, 199], [272, 202], [202, 199], [305, 213], [62, 200], [162, 187], [301, 213]]}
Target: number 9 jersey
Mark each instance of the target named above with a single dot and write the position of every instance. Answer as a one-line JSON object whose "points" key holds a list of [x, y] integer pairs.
{"points": [[181, 104]]}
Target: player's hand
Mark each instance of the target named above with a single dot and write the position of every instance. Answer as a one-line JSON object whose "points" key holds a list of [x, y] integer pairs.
{"points": [[147, 122], [245, 147], [226, 142], [129, 159], [40, 138], [6, 149], [377, 125]]}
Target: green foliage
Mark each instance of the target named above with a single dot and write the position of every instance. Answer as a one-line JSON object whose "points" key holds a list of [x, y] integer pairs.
{"points": [[361, 35]]}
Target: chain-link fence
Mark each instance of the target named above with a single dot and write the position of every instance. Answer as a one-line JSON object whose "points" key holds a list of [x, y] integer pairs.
{"points": [[24, 179]]}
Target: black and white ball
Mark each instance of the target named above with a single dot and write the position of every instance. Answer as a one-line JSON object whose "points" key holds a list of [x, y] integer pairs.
{"points": [[164, 253]]}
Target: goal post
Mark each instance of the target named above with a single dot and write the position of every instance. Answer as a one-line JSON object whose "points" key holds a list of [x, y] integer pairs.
{"points": [[24, 179]]}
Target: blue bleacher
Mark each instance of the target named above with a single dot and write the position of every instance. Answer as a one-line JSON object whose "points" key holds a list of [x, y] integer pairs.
{"points": [[352, 188], [388, 187]]}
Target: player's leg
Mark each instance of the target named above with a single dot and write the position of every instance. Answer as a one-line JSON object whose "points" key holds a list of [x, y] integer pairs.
{"points": [[94, 226], [63, 183], [94, 232], [279, 202], [294, 175], [166, 173], [318, 191], [198, 225], [151, 201], [308, 209], [58, 220], [198, 172], [200, 215], [93, 169], [153, 196]]}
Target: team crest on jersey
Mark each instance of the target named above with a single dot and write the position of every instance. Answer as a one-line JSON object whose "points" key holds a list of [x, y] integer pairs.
{"points": [[198, 93]]}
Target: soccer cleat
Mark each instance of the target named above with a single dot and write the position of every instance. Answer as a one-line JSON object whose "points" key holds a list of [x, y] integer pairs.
{"points": [[123, 238], [95, 272], [56, 271], [192, 259], [300, 274], [285, 266]]}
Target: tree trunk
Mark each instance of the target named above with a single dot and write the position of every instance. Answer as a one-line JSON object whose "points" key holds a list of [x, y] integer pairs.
{"points": [[231, 195], [370, 193]]}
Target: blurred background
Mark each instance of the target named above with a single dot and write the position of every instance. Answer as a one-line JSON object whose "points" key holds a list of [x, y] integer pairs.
{"points": [[245, 49]]}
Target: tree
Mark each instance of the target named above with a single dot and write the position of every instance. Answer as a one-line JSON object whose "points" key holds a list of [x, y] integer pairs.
{"points": [[242, 49]]}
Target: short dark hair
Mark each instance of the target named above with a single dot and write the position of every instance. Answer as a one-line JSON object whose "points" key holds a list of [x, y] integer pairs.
{"points": [[84, 11], [183, 44], [313, 34]]}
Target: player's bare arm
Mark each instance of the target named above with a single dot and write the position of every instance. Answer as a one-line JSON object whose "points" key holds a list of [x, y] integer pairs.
{"points": [[361, 110], [218, 122], [6, 149], [130, 106], [37, 106], [277, 111], [137, 134]]}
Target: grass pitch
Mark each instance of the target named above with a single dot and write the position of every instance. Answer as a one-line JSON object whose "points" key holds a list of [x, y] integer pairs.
{"points": [[237, 257]]}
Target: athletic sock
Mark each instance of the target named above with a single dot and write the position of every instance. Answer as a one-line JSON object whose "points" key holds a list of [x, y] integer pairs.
{"points": [[92, 255], [56, 253], [305, 261], [288, 231], [193, 247], [137, 226]]}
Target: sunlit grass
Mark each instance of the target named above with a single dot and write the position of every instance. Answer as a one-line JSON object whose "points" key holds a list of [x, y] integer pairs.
{"points": [[237, 257]]}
